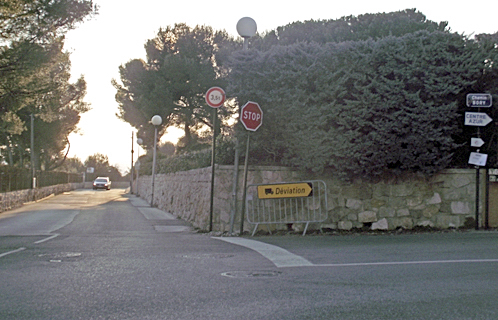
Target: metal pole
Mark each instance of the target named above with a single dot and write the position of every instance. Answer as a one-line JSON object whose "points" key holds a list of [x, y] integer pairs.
{"points": [[213, 157], [32, 147], [486, 216], [244, 192], [477, 197], [131, 170], [153, 166], [233, 213], [138, 170]]}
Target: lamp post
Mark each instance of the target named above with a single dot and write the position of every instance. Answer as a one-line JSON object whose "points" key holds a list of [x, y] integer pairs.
{"points": [[137, 164], [246, 27], [131, 170], [156, 121]]}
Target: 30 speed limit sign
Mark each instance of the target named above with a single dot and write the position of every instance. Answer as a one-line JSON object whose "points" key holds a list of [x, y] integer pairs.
{"points": [[215, 97]]}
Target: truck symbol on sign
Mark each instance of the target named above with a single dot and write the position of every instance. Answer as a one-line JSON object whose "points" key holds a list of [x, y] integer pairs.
{"points": [[268, 191]]}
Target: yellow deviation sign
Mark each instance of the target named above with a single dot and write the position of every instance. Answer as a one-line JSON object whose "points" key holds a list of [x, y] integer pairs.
{"points": [[288, 190]]}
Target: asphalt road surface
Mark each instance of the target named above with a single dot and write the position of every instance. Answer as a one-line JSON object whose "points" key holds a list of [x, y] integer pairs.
{"points": [[107, 255]]}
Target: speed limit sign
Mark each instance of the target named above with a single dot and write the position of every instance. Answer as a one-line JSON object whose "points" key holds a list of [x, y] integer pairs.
{"points": [[215, 97]]}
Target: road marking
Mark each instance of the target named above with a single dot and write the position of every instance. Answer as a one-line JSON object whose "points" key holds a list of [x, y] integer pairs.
{"points": [[394, 263], [284, 259], [13, 251], [46, 239], [281, 258]]}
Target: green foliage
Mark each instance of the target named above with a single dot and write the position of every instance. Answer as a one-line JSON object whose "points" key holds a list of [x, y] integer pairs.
{"points": [[363, 108], [181, 66], [350, 28], [34, 78]]}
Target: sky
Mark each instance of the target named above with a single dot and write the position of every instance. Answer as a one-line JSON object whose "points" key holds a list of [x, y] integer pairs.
{"points": [[118, 34]]}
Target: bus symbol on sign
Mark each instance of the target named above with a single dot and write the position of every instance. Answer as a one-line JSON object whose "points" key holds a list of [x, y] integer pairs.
{"points": [[479, 100]]}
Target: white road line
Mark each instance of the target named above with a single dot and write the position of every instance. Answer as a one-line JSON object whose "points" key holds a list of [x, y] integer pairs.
{"points": [[393, 263], [10, 252], [46, 239], [281, 258], [284, 259]]}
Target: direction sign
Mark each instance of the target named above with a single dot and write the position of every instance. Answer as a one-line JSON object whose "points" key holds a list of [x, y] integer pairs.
{"points": [[287, 190], [215, 97], [478, 159], [476, 142], [478, 119], [251, 116], [479, 100]]}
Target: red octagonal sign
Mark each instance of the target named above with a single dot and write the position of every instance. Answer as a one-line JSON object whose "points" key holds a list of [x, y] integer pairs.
{"points": [[251, 116]]}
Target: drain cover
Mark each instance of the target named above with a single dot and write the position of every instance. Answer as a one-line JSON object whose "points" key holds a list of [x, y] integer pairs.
{"points": [[251, 274]]}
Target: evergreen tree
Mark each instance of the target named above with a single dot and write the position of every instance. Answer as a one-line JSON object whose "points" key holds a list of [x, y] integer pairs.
{"points": [[181, 66]]}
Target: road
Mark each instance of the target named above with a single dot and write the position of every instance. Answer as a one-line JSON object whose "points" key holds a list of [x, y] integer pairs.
{"points": [[107, 255]]}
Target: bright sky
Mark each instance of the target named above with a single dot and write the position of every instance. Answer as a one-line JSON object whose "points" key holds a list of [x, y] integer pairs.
{"points": [[119, 32]]}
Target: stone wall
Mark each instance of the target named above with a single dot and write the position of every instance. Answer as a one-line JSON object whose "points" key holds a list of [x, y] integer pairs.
{"points": [[444, 201], [15, 199]]}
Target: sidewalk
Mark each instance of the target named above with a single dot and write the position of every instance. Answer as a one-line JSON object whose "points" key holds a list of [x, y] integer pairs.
{"points": [[162, 221]]}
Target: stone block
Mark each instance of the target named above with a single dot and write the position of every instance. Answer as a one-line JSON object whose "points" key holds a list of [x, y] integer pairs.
{"points": [[352, 217], [425, 223], [345, 225], [353, 204], [460, 207], [386, 212], [447, 221], [402, 212], [431, 210], [331, 226], [459, 181], [397, 202], [414, 201], [367, 216], [380, 225], [436, 199], [377, 203], [404, 222]]}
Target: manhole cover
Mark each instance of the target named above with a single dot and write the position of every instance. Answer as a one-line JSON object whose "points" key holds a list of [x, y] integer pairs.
{"points": [[251, 274]]}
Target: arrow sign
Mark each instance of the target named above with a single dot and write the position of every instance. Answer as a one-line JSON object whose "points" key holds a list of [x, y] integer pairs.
{"points": [[476, 142], [288, 190], [478, 119]]}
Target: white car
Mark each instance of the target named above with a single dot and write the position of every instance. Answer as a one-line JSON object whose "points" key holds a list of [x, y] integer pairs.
{"points": [[102, 183]]}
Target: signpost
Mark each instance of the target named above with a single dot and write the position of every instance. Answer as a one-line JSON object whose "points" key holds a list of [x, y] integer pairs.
{"points": [[251, 117], [478, 119], [215, 98]]}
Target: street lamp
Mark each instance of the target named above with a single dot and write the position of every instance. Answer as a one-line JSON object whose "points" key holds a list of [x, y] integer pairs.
{"points": [[156, 121], [246, 27], [137, 164]]}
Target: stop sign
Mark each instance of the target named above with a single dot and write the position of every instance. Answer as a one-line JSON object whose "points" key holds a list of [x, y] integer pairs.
{"points": [[251, 116]]}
